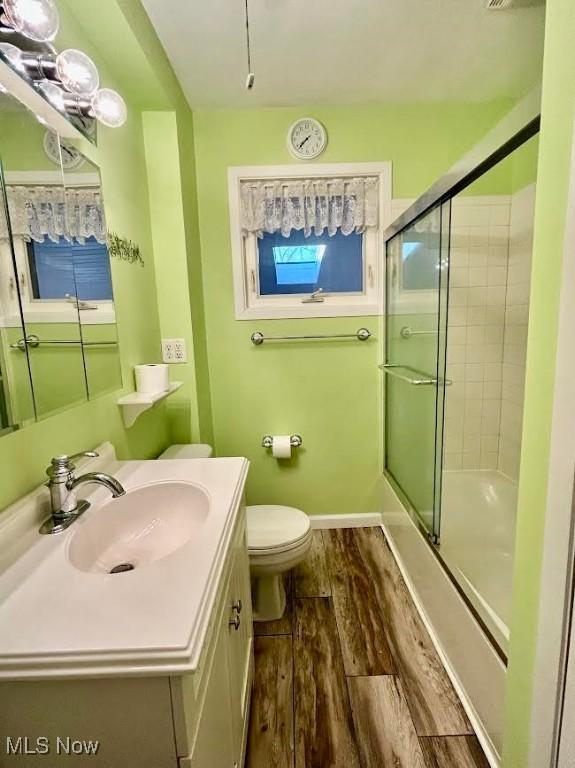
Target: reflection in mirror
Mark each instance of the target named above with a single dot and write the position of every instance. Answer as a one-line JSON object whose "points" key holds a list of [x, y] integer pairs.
{"points": [[58, 338], [36, 205], [91, 286], [16, 401]]}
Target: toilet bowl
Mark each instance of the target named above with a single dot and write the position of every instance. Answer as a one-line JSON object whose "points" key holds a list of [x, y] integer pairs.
{"points": [[278, 539]]}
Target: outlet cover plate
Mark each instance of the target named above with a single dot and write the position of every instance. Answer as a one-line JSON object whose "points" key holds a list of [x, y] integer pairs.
{"points": [[180, 354], [174, 351]]}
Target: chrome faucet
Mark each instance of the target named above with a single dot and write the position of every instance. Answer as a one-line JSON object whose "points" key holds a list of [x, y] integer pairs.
{"points": [[63, 483]]}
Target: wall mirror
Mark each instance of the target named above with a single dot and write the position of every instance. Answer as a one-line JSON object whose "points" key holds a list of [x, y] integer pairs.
{"points": [[59, 341]]}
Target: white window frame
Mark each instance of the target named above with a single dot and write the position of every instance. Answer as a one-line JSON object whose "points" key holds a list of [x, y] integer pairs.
{"points": [[249, 305], [55, 310]]}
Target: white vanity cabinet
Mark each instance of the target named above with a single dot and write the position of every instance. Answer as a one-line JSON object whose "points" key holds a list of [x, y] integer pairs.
{"points": [[211, 709], [171, 720]]}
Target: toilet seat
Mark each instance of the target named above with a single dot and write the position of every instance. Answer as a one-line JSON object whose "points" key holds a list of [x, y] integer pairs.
{"points": [[273, 528]]}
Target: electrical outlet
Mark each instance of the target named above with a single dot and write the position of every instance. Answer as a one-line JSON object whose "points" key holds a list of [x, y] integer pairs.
{"points": [[174, 351], [180, 355], [168, 350]]}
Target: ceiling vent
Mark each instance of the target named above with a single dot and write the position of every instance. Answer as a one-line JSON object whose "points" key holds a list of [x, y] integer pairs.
{"points": [[501, 5]]}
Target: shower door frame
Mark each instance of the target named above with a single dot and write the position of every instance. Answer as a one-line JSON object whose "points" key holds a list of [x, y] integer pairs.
{"points": [[433, 532], [522, 123]]}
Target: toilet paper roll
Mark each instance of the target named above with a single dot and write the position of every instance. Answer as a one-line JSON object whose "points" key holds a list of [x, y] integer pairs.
{"points": [[281, 446], [152, 378]]}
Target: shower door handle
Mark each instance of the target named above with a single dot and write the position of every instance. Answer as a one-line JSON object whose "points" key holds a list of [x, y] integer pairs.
{"points": [[415, 378]]}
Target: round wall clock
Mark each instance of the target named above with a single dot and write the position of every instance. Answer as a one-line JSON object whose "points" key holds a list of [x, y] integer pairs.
{"points": [[71, 157], [307, 138]]}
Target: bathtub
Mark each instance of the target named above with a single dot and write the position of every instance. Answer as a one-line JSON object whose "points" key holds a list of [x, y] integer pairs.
{"points": [[478, 513]]}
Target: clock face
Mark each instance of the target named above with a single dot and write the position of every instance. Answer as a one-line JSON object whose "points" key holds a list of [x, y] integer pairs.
{"points": [[307, 138], [71, 157]]}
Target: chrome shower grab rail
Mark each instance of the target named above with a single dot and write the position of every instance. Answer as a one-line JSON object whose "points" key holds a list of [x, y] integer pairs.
{"points": [[34, 341], [391, 369], [362, 334], [406, 332]]}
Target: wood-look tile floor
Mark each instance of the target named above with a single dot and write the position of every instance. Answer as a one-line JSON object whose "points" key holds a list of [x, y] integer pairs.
{"points": [[349, 676]]}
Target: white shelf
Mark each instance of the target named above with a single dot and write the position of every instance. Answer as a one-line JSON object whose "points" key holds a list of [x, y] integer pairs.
{"points": [[136, 403]]}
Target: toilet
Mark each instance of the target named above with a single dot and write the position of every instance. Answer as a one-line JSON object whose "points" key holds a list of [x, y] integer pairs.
{"points": [[189, 451], [278, 538]]}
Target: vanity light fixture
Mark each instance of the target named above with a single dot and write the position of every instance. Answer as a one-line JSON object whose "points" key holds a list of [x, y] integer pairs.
{"points": [[106, 105], [69, 81], [77, 72], [54, 94], [109, 107], [35, 19], [72, 69], [14, 56]]}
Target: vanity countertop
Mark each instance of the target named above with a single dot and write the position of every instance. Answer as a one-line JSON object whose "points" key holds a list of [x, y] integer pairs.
{"points": [[58, 621]]}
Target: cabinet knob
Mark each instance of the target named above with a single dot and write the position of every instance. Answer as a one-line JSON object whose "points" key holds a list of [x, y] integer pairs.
{"points": [[237, 606], [235, 622]]}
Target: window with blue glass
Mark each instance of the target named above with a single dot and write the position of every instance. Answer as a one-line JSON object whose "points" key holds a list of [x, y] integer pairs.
{"points": [[65, 269], [300, 264]]}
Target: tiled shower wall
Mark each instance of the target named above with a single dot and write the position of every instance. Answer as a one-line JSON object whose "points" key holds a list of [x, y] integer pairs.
{"points": [[476, 325], [515, 338], [491, 244]]}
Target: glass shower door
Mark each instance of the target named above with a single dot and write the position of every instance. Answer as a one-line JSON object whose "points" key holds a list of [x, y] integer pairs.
{"points": [[416, 324]]}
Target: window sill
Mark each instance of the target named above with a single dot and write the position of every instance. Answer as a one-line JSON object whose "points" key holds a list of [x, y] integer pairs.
{"points": [[319, 309]]}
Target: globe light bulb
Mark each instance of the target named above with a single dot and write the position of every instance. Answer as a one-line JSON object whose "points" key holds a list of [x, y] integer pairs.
{"points": [[36, 19], [54, 94], [109, 107], [14, 56], [77, 72]]}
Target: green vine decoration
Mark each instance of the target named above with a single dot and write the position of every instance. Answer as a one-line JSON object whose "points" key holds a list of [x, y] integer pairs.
{"points": [[126, 250]]}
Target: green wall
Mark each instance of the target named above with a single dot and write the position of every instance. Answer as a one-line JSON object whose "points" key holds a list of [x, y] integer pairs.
{"points": [[329, 391], [550, 217], [167, 222]]}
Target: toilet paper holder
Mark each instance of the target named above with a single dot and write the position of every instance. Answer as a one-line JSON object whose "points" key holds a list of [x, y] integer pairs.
{"points": [[295, 440]]}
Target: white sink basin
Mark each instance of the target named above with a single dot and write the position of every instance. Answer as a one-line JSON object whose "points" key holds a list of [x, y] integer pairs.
{"points": [[61, 612], [147, 524]]}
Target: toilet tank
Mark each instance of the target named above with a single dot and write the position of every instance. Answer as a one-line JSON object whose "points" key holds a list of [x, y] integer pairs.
{"points": [[189, 451]]}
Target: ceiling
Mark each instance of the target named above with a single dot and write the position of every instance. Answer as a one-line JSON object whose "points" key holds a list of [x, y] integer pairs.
{"points": [[312, 52]]}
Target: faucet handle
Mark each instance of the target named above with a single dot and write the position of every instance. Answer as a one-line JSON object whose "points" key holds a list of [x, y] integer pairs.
{"points": [[62, 465]]}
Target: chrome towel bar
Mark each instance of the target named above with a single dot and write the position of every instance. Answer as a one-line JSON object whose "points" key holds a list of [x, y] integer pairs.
{"points": [[417, 379], [406, 332], [362, 334], [34, 341]]}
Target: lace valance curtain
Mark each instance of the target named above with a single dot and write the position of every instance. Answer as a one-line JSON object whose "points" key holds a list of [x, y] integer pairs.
{"points": [[311, 205], [39, 212]]}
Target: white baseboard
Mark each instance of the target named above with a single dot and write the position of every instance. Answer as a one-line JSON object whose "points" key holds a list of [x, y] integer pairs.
{"points": [[358, 520]]}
